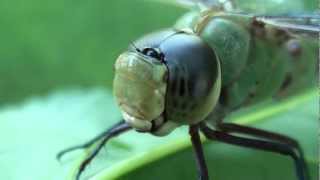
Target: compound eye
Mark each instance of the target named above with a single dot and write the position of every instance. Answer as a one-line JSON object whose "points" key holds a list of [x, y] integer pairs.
{"points": [[151, 52]]}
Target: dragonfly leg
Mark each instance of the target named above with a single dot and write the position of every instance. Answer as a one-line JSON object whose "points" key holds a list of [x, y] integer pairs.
{"points": [[254, 132], [115, 131], [197, 147], [271, 146], [90, 142]]}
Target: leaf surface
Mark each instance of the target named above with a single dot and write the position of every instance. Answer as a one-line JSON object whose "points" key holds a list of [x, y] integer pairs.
{"points": [[34, 132]]}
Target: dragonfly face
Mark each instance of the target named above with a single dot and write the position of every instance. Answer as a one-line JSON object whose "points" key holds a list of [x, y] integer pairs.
{"points": [[140, 87], [170, 78]]}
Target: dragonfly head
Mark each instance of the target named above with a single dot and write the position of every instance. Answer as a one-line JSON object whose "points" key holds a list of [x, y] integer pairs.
{"points": [[140, 88], [168, 79]]}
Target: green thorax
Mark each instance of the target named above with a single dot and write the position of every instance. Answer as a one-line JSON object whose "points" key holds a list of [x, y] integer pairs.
{"points": [[256, 62]]}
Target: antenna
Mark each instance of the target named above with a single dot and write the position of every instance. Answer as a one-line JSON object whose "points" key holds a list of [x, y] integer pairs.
{"points": [[135, 47]]}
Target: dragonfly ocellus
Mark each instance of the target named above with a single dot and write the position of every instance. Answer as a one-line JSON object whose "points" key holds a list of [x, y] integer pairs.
{"points": [[215, 60]]}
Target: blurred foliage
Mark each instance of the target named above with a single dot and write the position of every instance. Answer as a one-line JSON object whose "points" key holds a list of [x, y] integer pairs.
{"points": [[57, 44]]}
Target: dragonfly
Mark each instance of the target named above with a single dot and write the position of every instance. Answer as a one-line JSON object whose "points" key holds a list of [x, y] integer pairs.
{"points": [[215, 60]]}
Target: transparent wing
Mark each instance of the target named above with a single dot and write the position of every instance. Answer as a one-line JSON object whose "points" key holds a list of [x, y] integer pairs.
{"points": [[208, 4], [303, 23], [252, 6]]}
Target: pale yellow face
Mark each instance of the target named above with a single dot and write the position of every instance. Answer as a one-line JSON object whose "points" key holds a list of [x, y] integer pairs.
{"points": [[140, 88]]}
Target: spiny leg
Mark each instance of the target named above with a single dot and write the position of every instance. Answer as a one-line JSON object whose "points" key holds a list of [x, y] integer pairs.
{"points": [[117, 130], [235, 128], [197, 147], [256, 144], [90, 142]]}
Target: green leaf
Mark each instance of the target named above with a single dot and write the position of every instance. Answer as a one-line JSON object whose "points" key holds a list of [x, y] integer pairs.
{"points": [[173, 159], [34, 132]]}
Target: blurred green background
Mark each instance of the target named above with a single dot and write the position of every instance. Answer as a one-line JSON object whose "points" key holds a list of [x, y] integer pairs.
{"points": [[56, 71], [47, 45]]}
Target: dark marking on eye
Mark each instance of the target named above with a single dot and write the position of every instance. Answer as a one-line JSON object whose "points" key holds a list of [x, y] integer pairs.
{"points": [[175, 82], [173, 86], [190, 87], [224, 96], [182, 87], [286, 83]]}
